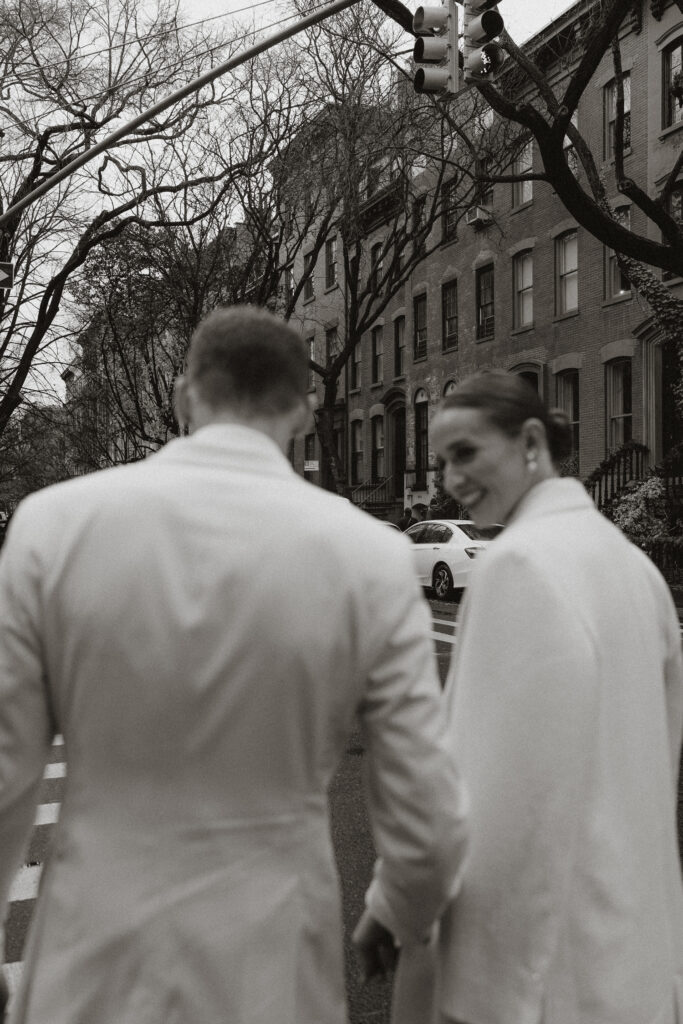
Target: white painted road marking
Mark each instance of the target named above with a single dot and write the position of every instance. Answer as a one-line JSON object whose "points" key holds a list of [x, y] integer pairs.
{"points": [[25, 885], [55, 770], [47, 814]]}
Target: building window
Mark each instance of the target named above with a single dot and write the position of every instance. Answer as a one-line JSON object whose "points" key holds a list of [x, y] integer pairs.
{"points": [[674, 207], [377, 430], [617, 283], [357, 452], [570, 154], [484, 189], [449, 315], [330, 262], [523, 191], [449, 212], [566, 273], [421, 439], [609, 101], [331, 344], [567, 398], [309, 290], [672, 94], [399, 346], [309, 448], [310, 342], [377, 355], [523, 278], [485, 302], [376, 267], [619, 403], [450, 387], [420, 327], [355, 375]]}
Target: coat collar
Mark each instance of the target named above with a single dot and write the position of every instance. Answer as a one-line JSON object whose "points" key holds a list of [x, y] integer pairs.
{"points": [[230, 444], [559, 494]]}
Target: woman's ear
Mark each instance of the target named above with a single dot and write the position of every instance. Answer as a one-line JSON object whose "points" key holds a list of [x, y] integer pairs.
{"points": [[533, 434]]}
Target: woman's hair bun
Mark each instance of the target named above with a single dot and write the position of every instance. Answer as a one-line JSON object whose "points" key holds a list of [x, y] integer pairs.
{"points": [[559, 431]]}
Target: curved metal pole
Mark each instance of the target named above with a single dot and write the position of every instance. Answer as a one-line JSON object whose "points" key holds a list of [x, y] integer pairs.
{"points": [[168, 101]]}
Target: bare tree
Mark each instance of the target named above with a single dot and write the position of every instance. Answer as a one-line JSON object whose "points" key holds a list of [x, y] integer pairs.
{"points": [[71, 71]]}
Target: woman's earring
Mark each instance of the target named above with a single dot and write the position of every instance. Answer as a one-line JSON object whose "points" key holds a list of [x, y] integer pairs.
{"points": [[531, 464]]}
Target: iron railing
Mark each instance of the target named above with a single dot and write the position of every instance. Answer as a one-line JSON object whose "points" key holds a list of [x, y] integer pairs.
{"points": [[620, 468], [373, 492]]}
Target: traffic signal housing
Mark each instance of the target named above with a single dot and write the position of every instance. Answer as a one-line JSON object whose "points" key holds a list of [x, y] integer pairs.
{"points": [[436, 46], [482, 23]]}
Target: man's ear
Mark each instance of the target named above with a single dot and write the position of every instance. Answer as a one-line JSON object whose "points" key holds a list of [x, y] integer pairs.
{"points": [[181, 403]]}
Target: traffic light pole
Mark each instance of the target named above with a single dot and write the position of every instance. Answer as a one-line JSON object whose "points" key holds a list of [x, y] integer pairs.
{"points": [[168, 101]]}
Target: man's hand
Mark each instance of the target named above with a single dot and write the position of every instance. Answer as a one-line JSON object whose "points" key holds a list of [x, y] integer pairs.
{"points": [[375, 947]]}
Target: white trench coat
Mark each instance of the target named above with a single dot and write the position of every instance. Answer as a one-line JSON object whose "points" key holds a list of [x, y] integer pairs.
{"points": [[202, 628], [566, 711]]}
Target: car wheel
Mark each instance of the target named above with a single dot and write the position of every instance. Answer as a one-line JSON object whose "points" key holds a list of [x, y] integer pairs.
{"points": [[442, 581]]}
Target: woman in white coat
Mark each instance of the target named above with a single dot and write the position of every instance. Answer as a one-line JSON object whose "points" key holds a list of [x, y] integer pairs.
{"points": [[565, 703]]}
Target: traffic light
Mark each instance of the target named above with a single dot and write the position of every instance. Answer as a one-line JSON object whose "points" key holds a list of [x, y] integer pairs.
{"points": [[437, 47], [482, 57]]}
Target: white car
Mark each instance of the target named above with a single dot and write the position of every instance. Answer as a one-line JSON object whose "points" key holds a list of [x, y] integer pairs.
{"points": [[443, 551]]}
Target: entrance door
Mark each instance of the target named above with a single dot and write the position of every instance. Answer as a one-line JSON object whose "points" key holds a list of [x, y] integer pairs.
{"points": [[399, 451]]}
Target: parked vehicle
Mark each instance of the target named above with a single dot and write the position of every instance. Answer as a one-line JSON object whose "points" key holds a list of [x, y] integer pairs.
{"points": [[443, 551]]}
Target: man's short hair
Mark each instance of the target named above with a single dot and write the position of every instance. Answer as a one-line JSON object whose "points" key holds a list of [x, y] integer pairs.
{"points": [[244, 357]]}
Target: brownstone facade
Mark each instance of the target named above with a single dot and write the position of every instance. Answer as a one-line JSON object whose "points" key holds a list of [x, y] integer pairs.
{"points": [[522, 287]]}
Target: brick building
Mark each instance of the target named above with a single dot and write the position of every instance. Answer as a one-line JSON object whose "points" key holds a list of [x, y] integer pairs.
{"points": [[520, 286]]}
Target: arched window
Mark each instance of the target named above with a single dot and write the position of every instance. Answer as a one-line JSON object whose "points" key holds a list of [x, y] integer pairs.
{"points": [[449, 387]]}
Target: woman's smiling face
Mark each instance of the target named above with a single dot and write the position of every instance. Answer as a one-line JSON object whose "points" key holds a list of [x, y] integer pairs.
{"points": [[484, 469]]}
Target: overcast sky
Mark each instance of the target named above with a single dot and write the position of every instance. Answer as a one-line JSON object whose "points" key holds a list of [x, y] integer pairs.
{"points": [[522, 17]]}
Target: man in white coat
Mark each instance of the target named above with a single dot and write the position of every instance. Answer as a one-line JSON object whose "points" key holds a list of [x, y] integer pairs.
{"points": [[203, 627]]}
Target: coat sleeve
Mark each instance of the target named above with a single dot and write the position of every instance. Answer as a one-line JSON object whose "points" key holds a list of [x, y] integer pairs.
{"points": [[25, 721], [416, 798], [523, 710]]}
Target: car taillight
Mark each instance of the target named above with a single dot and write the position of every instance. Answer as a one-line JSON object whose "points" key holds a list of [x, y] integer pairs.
{"points": [[471, 552]]}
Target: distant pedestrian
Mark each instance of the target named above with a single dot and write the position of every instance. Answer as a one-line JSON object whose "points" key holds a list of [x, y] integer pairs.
{"points": [[405, 520], [203, 627], [418, 513], [566, 709]]}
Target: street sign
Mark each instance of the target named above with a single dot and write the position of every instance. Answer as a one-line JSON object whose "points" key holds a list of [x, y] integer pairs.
{"points": [[6, 275], [311, 466]]}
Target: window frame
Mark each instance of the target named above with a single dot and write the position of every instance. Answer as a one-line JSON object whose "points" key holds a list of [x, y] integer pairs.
{"points": [[520, 291], [421, 409], [449, 211], [377, 354], [568, 393], [619, 424], [449, 338], [331, 262], [420, 326], [523, 191], [399, 346], [563, 274], [356, 374], [377, 452], [672, 112], [485, 324], [609, 116], [356, 452]]}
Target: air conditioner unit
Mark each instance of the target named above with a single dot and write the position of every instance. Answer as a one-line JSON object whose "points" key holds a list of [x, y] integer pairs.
{"points": [[478, 215]]}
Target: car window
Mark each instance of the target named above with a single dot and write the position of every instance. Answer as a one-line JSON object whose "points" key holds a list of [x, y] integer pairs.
{"points": [[416, 533], [479, 532], [439, 534]]}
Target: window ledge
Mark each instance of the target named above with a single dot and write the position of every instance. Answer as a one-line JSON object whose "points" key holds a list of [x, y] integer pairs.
{"points": [[419, 359], [671, 129], [524, 329], [674, 279], [448, 241], [376, 384], [485, 337], [331, 287], [616, 300], [522, 206], [565, 316], [400, 376], [610, 161], [354, 391], [452, 347], [311, 298]]}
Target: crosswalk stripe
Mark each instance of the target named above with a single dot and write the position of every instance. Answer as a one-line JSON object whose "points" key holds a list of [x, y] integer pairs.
{"points": [[58, 741], [25, 884], [47, 814], [445, 622], [55, 770], [446, 638]]}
